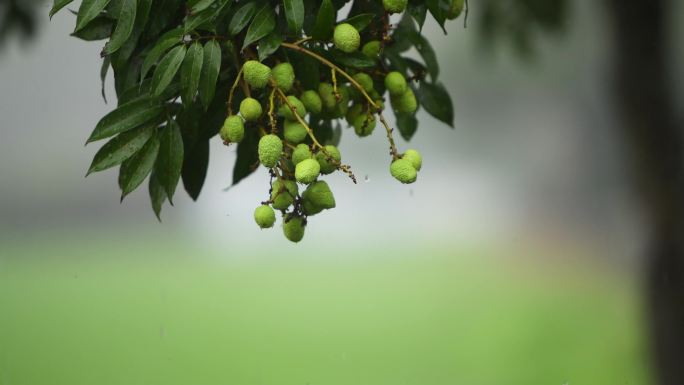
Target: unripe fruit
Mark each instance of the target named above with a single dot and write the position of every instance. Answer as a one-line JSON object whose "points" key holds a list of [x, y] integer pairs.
{"points": [[353, 113], [403, 171], [307, 171], [293, 228], [312, 102], [396, 83], [294, 131], [365, 81], [287, 113], [264, 216], [327, 94], [346, 38], [455, 9], [250, 109], [319, 195], [372, 49], [300, 153], [283, 193], [233, 130], [394, 6], [414, 157], [270, 148], [256, 74], [364, 125], [342, 106], [328, 166], [405, 103], [284, 76]]}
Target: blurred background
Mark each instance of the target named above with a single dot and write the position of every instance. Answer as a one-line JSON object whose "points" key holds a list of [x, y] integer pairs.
{"points": [[519, 257]]}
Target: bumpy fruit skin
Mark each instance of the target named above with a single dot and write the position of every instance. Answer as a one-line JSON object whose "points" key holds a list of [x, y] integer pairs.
{"points": [[342, 106], [283, 194], [307, 171], [319, 195], [403, 171], [364, 125], [233, 130], [353, 113], [346, 38], [264, 216], [284, 76], [365, 81], [270, 149], [456, 9], [328, 167], [293, 228], [294, 132], [256, 74], [327, 94], [300, 153], [396, 83], [287, 113], [312, 102], [415, 158], [250, 109], [394, 6], [405, 103], [372, 49]]}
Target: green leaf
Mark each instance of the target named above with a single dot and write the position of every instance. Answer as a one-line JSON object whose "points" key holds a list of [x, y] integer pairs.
{"points": [[106, 62], [134, 170], [436, 101], [199, 20], [89, 10], [294, 14], [210, 72], [264, 22], [166, 41], [121, 148], [191, 71], [124, 26], [167, 69], [354, 59], [195, 167], [247, 157], [423, 47], [57, 5], [269, 44], [157, 195], [439, 10], [241, 18], [200, 5], [360, 22], [325, 21], [99, 28], [418, 10], [407, 125], [126, 117], [170, 158]]}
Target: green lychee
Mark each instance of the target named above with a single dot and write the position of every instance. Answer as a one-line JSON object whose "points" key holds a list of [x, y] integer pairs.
{"points": [[406, 103], [283, 193], [342, 105], [372, 49], [353, 113], [346, 38], [284, 76], [414, 157], [233, 130], [327, 94], [328, 166], [394, 6], [456, 9], [293, 228], [270, 149], [264, 216], [286, 112], [403, 171], [256, 74], [319, 195], [312, 102], [250, 109], [307, 171], [364, 125], [294, 132], [365, 81], [300, 153], [395, 83]]}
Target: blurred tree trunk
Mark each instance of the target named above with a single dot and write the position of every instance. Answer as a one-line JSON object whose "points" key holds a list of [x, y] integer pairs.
{"points": [[646, 101]]}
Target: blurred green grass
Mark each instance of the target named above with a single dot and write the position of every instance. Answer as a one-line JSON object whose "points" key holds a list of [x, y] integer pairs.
{"points": [[102, 313]]}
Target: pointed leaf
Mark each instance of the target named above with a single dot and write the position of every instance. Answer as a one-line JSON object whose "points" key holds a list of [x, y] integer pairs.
{"points": [[242, 17], [210, 71], [124, 26], [418, 10], [126, 117], [294, 13], [436, 101], [407, 125], [99, 28], [167, 69], [134, 170], [201, 5], [264, 22], [191, 71], [439, 10], [165, 42], [57, 5], [247, 157], [157, 195], [170, 159], [121, 148], [195, 166], [269, 44], [325, 21], [360, 22], [89, 10]]}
